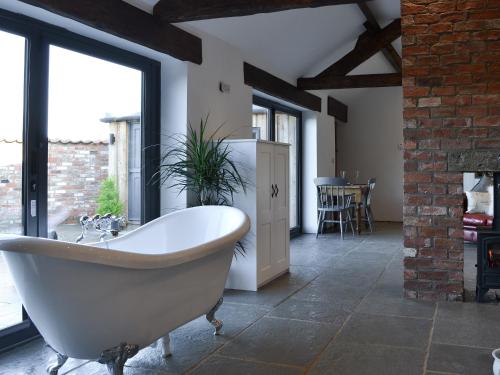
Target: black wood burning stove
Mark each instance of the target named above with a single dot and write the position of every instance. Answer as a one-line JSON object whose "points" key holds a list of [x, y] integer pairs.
{"points": [[488, 250], [488, 263]]}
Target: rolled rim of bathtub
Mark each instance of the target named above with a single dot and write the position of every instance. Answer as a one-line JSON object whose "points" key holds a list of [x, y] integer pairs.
{"points": [[496, 354], [125, 259]]}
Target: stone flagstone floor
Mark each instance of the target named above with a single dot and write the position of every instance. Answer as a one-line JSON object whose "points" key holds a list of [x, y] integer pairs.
{"points": [[339, 311]]}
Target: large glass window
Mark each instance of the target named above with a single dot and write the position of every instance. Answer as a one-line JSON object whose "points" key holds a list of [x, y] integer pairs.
{"points": [[260, 122], [94, 135], [279, 123], [80, 132], [286, 131], [11, 164]]}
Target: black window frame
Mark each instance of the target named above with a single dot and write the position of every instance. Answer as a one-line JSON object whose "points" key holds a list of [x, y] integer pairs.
{"points": [[274, 107], [39, 36]]}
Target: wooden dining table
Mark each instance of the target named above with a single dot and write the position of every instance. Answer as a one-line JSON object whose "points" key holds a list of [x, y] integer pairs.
{"points": [[358, 191]]}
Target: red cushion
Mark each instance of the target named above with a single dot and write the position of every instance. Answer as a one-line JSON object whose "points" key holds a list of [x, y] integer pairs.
{"points": [[475, 219]]}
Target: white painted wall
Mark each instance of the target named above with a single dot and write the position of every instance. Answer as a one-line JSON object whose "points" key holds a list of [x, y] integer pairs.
{"points": [[221, 62], [174, 120], [325, 143], [371, 143], [470, 181], [310, 171], [318, 159]]}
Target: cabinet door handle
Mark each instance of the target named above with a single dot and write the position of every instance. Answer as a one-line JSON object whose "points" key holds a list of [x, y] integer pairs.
{"points": [[277, 190], [272, 191]]}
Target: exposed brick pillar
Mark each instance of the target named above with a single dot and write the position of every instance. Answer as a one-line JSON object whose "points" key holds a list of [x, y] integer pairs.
{"points": [[451, 84]]}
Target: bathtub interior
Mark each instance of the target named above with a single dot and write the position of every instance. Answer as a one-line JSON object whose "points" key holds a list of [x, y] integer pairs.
{"points": [[179, 231]]}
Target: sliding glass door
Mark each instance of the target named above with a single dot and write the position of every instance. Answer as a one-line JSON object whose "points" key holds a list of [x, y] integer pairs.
{"points": [[286, 131], [80, 136], [94, 143], [276, 122], [12, 80]]}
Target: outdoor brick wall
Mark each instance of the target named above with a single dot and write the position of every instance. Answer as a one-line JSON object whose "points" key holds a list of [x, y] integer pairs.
{"points": [[75, 172], [10, 198], [451, 83]]}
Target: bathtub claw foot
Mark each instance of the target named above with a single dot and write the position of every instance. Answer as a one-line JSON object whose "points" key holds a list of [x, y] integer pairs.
{"points": [[165, 346], [211, 317], [54, 367], [115, 358]]}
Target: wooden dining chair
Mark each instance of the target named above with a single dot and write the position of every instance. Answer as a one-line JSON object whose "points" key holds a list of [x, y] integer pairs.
{"points": [[366, 204], [333, 199]]}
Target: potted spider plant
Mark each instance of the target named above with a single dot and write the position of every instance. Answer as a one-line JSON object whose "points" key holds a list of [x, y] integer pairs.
{"points": [[201, 165]]}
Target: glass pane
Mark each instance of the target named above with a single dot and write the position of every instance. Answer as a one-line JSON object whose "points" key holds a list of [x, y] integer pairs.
{"points": [[260, 122], [286, 132], [493, 256], [94, 133], [11, 158]]}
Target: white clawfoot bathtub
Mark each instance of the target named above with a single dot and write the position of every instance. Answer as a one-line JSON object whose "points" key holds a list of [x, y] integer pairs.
{"points": [[107, 300]]}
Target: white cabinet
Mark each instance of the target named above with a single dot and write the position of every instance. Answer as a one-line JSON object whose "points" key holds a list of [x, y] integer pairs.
{"points": [[265, 166]]}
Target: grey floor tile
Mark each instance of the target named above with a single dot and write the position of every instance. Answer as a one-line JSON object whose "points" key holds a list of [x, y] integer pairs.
{"points": [[94, 368], [342, 298], [323, 312], [194, 341], [390, 283], [460, 360], [467, 324], [362, 255], [385, 330], [311, 257], [359, 359], [277, 290], [379, 303], [284, 341], [26, 359], [217, 365], [185, 355], [347, 278], [235, 318], [31, 358]]}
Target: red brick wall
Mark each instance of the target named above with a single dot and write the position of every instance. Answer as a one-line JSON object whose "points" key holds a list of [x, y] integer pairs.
{"points": [[451, 84], [75, 173]]}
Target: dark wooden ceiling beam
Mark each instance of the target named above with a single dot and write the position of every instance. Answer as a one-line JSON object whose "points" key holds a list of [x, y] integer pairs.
{"points": [[274, 86], [350, 82], [366, 47], [373, 26], [195, 10], [125, 21], [337, 109]]}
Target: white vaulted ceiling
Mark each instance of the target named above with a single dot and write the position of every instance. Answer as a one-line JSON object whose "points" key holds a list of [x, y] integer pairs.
{"points": [[298, 42]]}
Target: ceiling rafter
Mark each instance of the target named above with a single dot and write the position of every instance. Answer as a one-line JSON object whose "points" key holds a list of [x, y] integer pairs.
{"points": [[126, 21], [367, 45], [195, 10], [269, 84], [351, 82], [373, 26]]}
